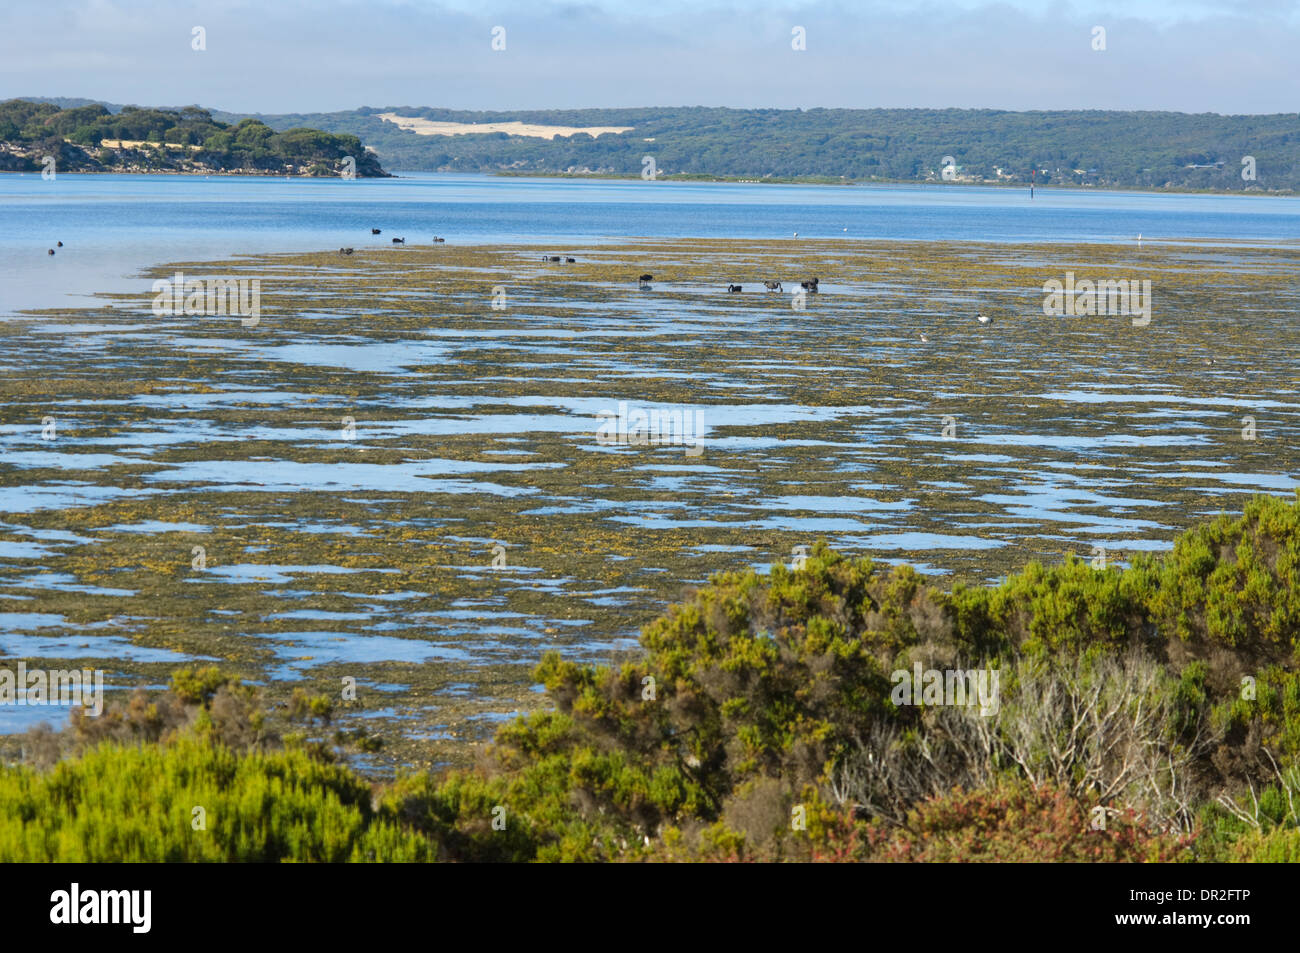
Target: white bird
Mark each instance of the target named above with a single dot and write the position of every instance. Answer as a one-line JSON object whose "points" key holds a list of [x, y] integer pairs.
{"points": [[1139, 239], [983, 318], [796, 234], [924, 339]]}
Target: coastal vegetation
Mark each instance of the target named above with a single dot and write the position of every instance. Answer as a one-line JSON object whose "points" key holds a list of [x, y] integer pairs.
{"points": [[91, 138], [1096, 148], [1088, 148], [1147, 713]]}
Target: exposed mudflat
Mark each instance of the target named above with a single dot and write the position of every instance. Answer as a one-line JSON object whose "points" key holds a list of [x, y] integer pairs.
{"points": [[355, 464]]}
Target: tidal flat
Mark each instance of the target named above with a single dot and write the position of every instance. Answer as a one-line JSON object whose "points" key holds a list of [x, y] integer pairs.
{"points": [[395, 476]]}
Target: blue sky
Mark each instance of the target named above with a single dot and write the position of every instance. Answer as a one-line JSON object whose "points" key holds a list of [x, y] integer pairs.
{"points": [[1233, 56]]}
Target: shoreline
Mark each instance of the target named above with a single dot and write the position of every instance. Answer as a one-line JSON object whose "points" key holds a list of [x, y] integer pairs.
{"points": [[178, 172], [811, 182], [93, 300], [826, 181]]}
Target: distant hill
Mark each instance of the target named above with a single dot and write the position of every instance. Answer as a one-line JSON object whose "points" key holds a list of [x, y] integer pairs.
{"points": [[1141, 150], [91, 137], [1106, 149]]}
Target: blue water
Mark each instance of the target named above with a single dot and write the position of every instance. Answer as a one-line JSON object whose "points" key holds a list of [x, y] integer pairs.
{"points": [[114, 225]]}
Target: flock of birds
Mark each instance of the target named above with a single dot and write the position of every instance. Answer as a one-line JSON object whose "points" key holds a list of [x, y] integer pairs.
{"points": [[811, 285], [379, 231], [644, 281]]}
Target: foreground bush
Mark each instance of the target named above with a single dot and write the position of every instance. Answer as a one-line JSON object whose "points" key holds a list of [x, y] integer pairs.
{"points": [[138, 803], [759, 725], [1018, 823]]}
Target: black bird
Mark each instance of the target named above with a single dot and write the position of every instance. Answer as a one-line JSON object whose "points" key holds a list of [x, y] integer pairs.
{"points": [[399, 241], [374, 231], [734, 288], [60, 244], [645, 280], [51, 251], [570, 260]]}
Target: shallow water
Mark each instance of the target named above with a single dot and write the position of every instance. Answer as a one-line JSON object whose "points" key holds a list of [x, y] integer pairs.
{"points": [[113, 226], [826, 423]]}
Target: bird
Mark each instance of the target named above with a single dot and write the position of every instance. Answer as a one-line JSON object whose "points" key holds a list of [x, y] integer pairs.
{"points": [[796, 234], [1139, 239], [51, 251], [983, 319], [60, 244], [376, 231], [924, 339]]}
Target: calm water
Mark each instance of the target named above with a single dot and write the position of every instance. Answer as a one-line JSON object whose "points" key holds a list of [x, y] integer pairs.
{"points": [[114, 225]]}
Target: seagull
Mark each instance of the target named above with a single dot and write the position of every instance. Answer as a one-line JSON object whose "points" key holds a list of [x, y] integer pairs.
{"points": [[796, 234], [983, 318], [1139, 239], [924, 339]]}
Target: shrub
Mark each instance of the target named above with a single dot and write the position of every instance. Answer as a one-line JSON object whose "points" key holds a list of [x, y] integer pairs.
{"points": [[1018, 823], [127, 804]]}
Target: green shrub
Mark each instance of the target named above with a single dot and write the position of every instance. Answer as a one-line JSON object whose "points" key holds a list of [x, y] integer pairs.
{"points": [[130, 804]]}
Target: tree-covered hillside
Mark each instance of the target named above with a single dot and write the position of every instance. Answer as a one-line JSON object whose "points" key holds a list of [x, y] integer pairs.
{"points": [[93, 138], [1105, 149], [1147, 150]]}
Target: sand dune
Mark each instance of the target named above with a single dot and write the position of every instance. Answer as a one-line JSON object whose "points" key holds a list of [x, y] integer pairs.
{"points": [[427, 127]]}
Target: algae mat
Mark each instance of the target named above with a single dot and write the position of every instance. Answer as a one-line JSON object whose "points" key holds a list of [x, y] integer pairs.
{"points": [[424, 466]]}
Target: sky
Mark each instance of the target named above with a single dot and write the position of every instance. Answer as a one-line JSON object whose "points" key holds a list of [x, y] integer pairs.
{"points": [[276, 56]]}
